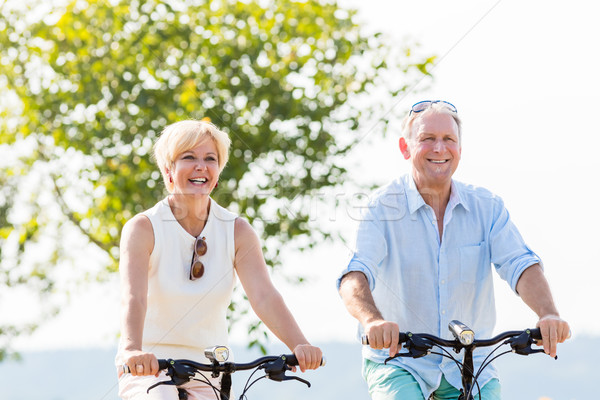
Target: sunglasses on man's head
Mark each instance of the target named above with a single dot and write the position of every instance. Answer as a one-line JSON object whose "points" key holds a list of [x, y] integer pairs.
{"points": [[197, 268], [425, 104]]}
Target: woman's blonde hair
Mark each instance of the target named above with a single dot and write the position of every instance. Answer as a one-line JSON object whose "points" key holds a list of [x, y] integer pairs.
{"points": [[183, 136]]}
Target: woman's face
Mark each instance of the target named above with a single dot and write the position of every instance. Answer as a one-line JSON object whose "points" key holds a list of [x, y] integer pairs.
{"points": [[196, 171]]}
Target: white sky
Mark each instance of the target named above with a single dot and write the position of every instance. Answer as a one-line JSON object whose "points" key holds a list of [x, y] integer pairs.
{"points": [[524, 77]]}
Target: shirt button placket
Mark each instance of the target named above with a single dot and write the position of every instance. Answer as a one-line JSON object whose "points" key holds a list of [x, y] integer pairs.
{"points": [[443, 287]]}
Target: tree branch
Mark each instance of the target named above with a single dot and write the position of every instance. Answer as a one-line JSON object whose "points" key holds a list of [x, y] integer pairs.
{"points": [[66, 210]]}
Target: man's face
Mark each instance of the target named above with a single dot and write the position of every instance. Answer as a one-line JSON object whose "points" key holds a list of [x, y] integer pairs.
{"points": [[433, 149]]}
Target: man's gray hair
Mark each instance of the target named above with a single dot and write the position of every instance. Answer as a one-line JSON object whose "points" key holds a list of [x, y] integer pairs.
{"points": [[437, 108]]}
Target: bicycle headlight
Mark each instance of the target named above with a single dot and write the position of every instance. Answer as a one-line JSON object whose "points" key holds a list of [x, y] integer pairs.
{"points": [[217, 353], [461, 332]]}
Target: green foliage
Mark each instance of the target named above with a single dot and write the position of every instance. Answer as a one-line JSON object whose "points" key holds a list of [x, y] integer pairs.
{"points": [[89, 85]]}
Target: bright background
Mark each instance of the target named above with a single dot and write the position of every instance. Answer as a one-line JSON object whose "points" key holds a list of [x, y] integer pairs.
{"points": [[523, 76]]}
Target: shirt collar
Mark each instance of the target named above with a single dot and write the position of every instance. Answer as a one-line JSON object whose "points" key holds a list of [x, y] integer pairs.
{"points": [[415, 200], [413, 197], [456, 197]]}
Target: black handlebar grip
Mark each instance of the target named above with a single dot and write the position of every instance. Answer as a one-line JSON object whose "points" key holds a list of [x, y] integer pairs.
{"points": [[291, 360], [403, 337], [163, 364], [535, 334]]}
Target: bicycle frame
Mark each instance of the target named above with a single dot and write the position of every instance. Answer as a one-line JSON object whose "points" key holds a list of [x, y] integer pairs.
{"points": [[182, 371]]}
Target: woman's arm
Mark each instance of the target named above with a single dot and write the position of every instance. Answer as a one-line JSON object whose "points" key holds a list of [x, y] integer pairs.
{"points": [[264, 298], [137, 242]]}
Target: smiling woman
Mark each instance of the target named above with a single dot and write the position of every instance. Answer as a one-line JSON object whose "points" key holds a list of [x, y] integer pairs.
{"points": [[178, 265], [195, 170], [179, 141]]}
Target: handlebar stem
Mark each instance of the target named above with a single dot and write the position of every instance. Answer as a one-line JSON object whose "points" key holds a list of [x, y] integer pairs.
{"points": [[467, 371]]}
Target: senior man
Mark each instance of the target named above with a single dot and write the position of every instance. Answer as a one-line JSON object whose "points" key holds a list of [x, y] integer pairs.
{"points": [[424, 254]]}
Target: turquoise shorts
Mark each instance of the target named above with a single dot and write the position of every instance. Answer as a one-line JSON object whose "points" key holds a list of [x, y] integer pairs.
{"points": [[391, 382]]}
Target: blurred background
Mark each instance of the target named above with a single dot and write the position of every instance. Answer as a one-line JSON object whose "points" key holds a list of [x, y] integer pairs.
{"points": [[312, 94]]}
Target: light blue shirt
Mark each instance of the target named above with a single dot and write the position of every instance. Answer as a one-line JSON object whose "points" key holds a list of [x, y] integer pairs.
{"points": [[422, 283]]}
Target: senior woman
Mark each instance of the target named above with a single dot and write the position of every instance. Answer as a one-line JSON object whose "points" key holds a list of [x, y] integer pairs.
{"points": [[178, 265]]}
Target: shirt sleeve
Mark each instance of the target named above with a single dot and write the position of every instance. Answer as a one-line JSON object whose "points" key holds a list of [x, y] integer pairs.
{"points": [[509, 253], [370, 247]]}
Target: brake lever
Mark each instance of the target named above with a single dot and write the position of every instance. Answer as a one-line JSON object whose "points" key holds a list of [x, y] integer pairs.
{"points": [[396, 356], [275, 371], [522, 344], [179, 374], [413, 353], [161, 383], [417, 347], [281, 376]]}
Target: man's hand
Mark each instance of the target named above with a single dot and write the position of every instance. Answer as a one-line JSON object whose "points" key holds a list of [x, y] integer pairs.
{"points": [[382, 335], [554, 330], [535, 292], [358, 299]]}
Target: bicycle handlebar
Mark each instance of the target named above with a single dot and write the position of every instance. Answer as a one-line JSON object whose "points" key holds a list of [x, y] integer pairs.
{"points": [[421, 344], [405, 336], [182, 371], [289, 359]]}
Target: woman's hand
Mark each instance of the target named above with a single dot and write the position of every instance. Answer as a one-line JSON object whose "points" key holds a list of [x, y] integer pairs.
{"points": [[141, 363], [309, 357]]}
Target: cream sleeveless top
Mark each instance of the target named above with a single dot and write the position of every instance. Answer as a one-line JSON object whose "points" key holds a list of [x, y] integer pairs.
{"points": [[184, 317]]}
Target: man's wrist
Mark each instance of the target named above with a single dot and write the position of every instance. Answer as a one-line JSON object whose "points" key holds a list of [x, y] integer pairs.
{"points": [[372, 319]]}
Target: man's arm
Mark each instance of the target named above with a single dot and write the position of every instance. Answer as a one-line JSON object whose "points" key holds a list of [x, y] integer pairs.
{"points": [[357, 297], [535, 292]]}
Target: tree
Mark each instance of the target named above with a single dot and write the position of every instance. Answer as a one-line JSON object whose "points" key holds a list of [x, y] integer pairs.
{"points": [[89, 85]]}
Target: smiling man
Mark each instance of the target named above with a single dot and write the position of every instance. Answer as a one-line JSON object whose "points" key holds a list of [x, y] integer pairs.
{"points": [[424, 253]]}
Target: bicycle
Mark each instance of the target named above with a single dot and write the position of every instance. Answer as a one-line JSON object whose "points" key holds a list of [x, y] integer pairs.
{"points": [[182, 371], [421, 344]]}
